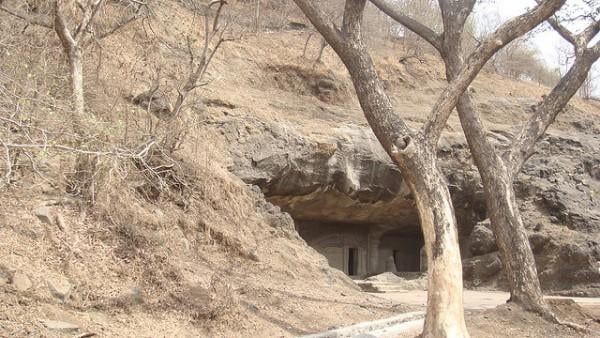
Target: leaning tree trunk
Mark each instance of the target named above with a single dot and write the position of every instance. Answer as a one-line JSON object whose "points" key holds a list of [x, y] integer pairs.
{"points": [[416, 158], [445, 314], [503, 211]]}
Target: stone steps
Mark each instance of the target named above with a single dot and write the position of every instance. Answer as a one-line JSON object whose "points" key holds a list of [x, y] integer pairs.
{"points": [[380, 287], [398, 282]]}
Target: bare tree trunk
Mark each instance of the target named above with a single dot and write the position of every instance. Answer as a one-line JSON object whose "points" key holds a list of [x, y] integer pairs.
{"points": [[445, 315], [78, 97], [512, 239], [503, 210], [505, 218], [257, 16], [498, 175], [416, 158]]}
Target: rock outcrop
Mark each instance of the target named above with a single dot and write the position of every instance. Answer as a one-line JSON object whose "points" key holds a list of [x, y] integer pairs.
{"points": [[342, 175]]}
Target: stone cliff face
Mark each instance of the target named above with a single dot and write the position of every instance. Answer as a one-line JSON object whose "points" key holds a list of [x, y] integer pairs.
{"points": [[342, 175]]}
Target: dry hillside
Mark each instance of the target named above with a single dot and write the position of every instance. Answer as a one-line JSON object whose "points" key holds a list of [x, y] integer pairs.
{"points": [[179, 245]]}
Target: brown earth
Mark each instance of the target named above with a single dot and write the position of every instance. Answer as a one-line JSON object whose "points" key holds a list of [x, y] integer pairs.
{"points": [[511, 321]]}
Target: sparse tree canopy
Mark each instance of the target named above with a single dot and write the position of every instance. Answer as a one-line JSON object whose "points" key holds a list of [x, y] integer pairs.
{"points": [[414, 150], [498, 169]]}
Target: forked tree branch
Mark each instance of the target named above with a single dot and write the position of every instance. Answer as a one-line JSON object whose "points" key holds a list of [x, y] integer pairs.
{"points": [[563, 31], [197, 71], [506, 33], [89, 12], [455, 14], [60, 27]]}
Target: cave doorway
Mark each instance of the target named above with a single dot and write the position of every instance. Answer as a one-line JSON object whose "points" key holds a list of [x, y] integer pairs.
{"points": [[352, 262]]}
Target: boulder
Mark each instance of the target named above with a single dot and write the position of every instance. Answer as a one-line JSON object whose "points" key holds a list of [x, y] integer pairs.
{"points": [[482, 240], [576, 264], [44, 214], [50, 217], [59, 288], [21, 281], [480, 269], [4, 275], [538, 241]]}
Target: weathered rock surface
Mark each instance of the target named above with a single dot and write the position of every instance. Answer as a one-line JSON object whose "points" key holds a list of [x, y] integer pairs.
{"points": [[343, 176], [59, 288], [562, 180], [4, 275]]}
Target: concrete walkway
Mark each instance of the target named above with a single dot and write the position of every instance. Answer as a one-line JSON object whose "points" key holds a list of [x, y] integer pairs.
{"points": [[406, 324], [472, 299], [411, 324]]}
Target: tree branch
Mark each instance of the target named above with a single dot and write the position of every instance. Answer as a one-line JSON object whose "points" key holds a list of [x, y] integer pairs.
{"points": [[60, 26], [413, 25], [522, 146], [37, 21], [506, 33], [563, 31], [455, 14], [117, 27], [321, 22], [352, 21], [589, 33], [88, 16]]}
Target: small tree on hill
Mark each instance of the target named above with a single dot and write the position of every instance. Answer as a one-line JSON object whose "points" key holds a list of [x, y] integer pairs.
{"points": [[73, 32]]}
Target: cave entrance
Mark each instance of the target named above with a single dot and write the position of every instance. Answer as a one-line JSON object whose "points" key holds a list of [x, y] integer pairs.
{"points": [[402, 251], [361, 250]]}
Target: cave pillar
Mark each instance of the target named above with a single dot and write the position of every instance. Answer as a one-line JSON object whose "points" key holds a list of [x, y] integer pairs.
{"points": [[423, 259]]}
